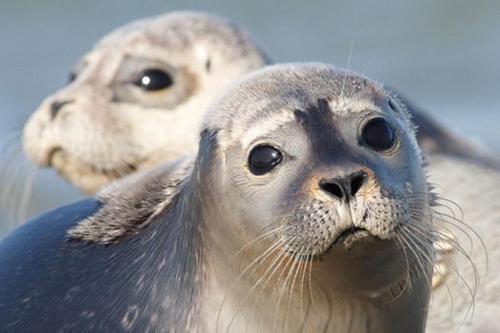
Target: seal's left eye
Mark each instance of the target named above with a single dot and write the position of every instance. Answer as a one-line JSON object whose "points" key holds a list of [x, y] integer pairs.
{"points": [[263, 159], [378, 135], [153, 79]]}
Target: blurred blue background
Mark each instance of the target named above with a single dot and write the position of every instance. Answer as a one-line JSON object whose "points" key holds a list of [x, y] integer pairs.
{"points": [[443, 54]]}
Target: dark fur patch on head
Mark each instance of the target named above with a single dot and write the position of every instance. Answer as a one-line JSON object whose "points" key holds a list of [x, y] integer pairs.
{"points": [[319, 124], [317, 119]]}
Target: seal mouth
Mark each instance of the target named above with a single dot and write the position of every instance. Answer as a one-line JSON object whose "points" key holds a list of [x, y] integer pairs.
{"points": [[87, 177], [351, 235], [51, 155], [59, 159]]}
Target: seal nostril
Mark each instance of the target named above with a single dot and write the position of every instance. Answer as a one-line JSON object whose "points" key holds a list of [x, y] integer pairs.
{"points": [[332, 188], [357, 182], [56, 106], [344, 187]]}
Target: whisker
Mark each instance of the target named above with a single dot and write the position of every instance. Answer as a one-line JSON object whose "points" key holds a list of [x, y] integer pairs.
{"points": [[297, 266], [292, 262], [260, 258], [415, 249]]}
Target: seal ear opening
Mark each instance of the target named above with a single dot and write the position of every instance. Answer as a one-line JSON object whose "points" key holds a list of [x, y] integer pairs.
{"points": [[207, 146]]}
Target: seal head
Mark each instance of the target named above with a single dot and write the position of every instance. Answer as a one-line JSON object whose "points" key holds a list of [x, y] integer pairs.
{"points": [[318, 166], [162, 70]]}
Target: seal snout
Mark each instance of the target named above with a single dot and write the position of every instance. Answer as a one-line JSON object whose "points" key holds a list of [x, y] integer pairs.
{"points": [[344, 188]]}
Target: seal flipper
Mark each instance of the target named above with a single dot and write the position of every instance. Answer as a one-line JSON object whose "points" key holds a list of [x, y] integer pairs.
{"points": [[131, 204]]}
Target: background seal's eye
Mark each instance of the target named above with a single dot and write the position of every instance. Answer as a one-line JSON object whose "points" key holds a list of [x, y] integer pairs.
{"points": [[378, 135], [263, 159], [153, 80]]}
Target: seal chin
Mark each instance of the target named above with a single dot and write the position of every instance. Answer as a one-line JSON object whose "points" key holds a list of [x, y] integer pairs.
{"points": [[356, 254], [87, 177], [348, 239], [351, 236]]}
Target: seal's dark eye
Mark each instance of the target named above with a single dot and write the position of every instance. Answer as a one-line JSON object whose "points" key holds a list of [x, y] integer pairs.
{"points": [[263, 159], [153, 80], [378, 135]]}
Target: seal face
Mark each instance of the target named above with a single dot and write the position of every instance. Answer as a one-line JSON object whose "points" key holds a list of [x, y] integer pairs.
{"points": [[137, 98], [322, 180], [329, 169], [294, 216]]}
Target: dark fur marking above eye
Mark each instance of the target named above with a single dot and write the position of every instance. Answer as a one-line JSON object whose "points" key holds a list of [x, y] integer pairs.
{"points": [[300, 116]]}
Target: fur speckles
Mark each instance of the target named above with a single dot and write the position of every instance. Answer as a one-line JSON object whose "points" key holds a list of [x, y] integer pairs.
{"points": [[359, 84], [314, 226], [318, 223], [88, 314], [130, 317], [72, 292]]}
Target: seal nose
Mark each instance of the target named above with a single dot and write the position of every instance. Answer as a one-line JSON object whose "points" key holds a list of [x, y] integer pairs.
{"points": [[56, 106], [344, 188]]}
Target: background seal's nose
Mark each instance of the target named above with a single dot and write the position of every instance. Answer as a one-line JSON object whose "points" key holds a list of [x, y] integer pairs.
{"points": [[344, 188], [56, 106]]}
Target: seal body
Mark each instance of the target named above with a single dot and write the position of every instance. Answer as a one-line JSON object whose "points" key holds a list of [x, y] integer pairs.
{"points": [[338, 194], [52, 285], [467, 298]]}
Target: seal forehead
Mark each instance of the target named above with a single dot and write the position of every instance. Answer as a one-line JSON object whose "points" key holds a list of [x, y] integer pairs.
{"points": [[268, 98], [184, 30]]}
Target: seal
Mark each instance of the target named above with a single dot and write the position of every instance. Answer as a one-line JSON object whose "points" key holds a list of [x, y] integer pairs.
{"points": [[338, 196], [138, 97], [467, 296]]}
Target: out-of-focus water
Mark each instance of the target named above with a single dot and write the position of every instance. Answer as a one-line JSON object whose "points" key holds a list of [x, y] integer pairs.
{"points": [[444, 54]]}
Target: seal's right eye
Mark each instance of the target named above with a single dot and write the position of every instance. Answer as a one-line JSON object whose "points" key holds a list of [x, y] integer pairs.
{"points": [[153, 79], [263, 159], [378, 135]]}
